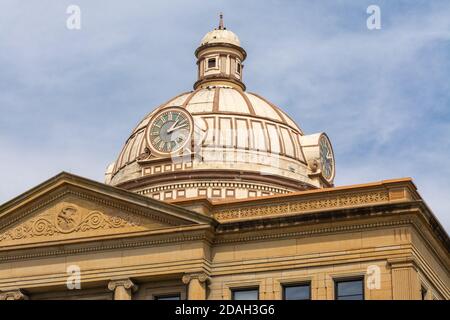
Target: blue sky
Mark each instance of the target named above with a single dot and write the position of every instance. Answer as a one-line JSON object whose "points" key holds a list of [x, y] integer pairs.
{"points": [[69, 99]]}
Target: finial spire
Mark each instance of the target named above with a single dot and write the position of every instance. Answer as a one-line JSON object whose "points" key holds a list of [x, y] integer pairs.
{"points": [[221, 22]]}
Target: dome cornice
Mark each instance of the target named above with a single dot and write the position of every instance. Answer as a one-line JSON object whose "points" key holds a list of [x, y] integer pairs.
{"points": [[219, 79], [236, 176], [221, 44]]}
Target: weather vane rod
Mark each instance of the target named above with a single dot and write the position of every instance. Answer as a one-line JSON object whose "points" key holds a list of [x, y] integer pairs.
{"points": [[221, 22]]}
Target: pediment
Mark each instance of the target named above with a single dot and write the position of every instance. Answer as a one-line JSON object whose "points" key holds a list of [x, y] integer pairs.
{"points": [[67, 212]]}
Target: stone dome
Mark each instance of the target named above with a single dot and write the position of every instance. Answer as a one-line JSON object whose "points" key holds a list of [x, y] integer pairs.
{"points": [[221, 36], [220, 141], [222, 109]]}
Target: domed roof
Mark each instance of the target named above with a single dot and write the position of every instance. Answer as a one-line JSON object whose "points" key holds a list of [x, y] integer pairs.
{"points": [[225, 100], [224, 103], [221, 36], [232, 143]]}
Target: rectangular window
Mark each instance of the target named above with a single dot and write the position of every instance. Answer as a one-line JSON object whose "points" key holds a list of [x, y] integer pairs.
{"points": [[168, 297], [245, 294], [238, 68], [297, 292], [211, 63], [349, 289]]}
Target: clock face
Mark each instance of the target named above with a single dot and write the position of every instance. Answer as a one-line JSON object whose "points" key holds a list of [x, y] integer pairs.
{"points": [[326, 158], [169, 130]]}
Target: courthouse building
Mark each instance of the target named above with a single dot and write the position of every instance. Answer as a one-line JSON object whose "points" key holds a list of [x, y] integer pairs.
{"points": [[219, 194]]}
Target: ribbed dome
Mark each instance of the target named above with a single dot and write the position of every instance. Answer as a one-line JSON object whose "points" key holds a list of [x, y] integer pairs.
{"points": [[221, 104], [220, 141], [226, 100]]}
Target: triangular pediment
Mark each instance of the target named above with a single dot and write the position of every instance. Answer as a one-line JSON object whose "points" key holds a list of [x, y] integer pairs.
{"points": [[69, 208]]}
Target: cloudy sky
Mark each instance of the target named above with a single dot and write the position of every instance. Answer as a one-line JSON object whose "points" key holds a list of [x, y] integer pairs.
{"points": [[69, 99]]}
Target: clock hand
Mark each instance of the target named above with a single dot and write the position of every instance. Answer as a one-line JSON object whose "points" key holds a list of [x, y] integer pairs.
{"points": [[176, 128], [172, 126]]}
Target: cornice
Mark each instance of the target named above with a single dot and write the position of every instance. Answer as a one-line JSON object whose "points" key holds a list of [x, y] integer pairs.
{"points": [[105, 245], [220, 78], [218, 45], [325, 230], [65, 184], [327, 258], [427, 271]]}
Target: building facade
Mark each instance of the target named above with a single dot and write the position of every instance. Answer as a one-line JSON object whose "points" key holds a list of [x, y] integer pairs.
{"points": [[219, 194]]}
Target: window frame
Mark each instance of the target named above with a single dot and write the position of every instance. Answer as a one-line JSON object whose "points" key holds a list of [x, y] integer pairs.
{"points": [[349, 279], [242, 289], [167, 295], [238, 67], [215, 63], [296, 284]]}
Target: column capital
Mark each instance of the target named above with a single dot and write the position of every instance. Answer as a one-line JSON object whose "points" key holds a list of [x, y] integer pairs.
{"points": [[201, 277], [126, 283], [13, 295]]}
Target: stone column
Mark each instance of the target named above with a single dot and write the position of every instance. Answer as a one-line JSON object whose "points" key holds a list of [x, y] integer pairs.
{"points": [[196, 286], [13, 295], [405, 279], [123, 288]]}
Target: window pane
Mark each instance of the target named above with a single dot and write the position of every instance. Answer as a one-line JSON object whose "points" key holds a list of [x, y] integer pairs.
{"points": [[174, 297], [350, 290], [300, 292], [211, 63], [245, 294]]}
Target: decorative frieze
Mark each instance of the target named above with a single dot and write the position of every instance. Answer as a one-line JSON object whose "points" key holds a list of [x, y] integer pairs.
{"points": [[330, 202], [234, 185]]}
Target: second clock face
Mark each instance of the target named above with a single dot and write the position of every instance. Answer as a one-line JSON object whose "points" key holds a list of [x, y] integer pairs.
{"points": [[169, 130], [326, 158]]}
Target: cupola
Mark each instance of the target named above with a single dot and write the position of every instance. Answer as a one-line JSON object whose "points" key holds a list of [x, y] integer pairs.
{"points": [[220, 59]]}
